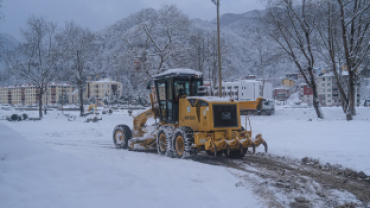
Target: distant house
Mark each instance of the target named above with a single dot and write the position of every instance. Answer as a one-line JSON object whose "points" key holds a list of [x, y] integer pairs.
{"points": [[250, 77], [293, 76], [287, 82], [281, 93], [306, 94]]}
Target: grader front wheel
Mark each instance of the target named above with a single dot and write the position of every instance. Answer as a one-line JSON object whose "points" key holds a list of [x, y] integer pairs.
{"points": [[179, 144], [121, 135]]}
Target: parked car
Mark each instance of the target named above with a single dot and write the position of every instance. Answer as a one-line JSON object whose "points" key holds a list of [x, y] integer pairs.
{"points": [[367, 103]]}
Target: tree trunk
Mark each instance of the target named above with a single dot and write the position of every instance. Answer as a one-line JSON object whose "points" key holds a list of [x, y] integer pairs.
{"points": [[351, 97], [316, 102], [40, 102], [81, 99], [354, 94]]}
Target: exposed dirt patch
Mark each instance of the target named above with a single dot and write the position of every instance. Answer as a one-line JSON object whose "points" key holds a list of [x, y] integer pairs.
{"points": [[284, 182]]}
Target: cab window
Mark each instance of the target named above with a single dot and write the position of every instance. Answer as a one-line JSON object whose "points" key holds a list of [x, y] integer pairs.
{"points": [[182, 86]]}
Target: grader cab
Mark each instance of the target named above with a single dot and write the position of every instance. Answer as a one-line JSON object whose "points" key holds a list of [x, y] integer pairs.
{"points": [[187, 121]]}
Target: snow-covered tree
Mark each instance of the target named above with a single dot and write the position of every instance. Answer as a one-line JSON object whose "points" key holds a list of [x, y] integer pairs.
{"points": [[35, 60], [79, 51], [292, 25]]}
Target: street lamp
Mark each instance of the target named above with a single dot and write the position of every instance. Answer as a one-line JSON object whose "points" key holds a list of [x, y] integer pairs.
{"points": [[217, 3]]}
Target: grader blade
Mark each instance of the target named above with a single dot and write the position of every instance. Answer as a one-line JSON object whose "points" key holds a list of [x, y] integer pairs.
{"points": [[254, 148], [259, 140], [265, 145]]}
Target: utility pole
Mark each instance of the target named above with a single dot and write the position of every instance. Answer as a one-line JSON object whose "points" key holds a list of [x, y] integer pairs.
{"points": [[217, 3]]}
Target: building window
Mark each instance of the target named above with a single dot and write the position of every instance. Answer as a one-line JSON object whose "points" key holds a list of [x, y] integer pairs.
{"points": [[329, 101], [323, 84]]}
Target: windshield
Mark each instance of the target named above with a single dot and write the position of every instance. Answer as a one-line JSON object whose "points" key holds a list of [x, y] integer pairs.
{"points": [[195, 87], [268, 103]]}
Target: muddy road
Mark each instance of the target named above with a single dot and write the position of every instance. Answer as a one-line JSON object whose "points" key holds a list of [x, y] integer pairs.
{"points": [[286, 182]]}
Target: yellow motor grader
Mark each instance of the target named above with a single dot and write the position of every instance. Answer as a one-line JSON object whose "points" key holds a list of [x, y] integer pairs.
{"points": [[188, 121]]}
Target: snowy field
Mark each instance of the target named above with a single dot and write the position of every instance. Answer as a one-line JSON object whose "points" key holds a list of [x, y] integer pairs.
{"points": [[59, 163]]}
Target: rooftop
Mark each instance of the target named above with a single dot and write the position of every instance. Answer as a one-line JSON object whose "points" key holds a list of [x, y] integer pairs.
{"points": [[179, 71]]}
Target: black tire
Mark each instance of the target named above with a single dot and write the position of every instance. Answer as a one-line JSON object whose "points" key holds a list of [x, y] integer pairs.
{"points": [[237, 154], [162, 145], [179, 144], [14, 117], [121, 135], [24, 116], [185, 142], [218, 154]]}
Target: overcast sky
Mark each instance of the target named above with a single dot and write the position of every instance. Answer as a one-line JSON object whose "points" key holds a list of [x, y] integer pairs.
{"points": [[97, 14]]}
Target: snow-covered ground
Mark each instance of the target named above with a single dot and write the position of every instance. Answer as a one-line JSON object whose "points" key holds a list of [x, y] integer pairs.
{"points": [[296, 132], [59, 163], [74, 164]]}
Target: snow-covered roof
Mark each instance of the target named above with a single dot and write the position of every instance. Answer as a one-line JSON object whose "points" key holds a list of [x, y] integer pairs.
{"points": [[210, 98], [179, 71], [65, 84], [106, 80], [331, 74], [250, 81], [281, 88]]}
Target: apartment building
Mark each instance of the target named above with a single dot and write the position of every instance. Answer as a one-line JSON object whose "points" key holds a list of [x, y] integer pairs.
{"points": [[28, 94], [105, 88], [244, 90], [327, 90]]}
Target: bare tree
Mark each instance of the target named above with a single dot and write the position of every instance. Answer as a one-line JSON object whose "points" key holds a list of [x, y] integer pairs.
{"points": [[265, 55], [135, 45], [167, 32], [331, 49], [292, 27], [1, 18], [78, 48], [35, 59], [354, 18]]}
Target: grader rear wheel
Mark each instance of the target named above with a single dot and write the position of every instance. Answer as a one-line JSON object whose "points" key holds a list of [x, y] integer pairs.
{"points": [[162, 143]]}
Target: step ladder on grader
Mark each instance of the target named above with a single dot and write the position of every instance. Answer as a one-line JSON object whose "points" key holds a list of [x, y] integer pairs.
{"points": [[189, 121]]}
